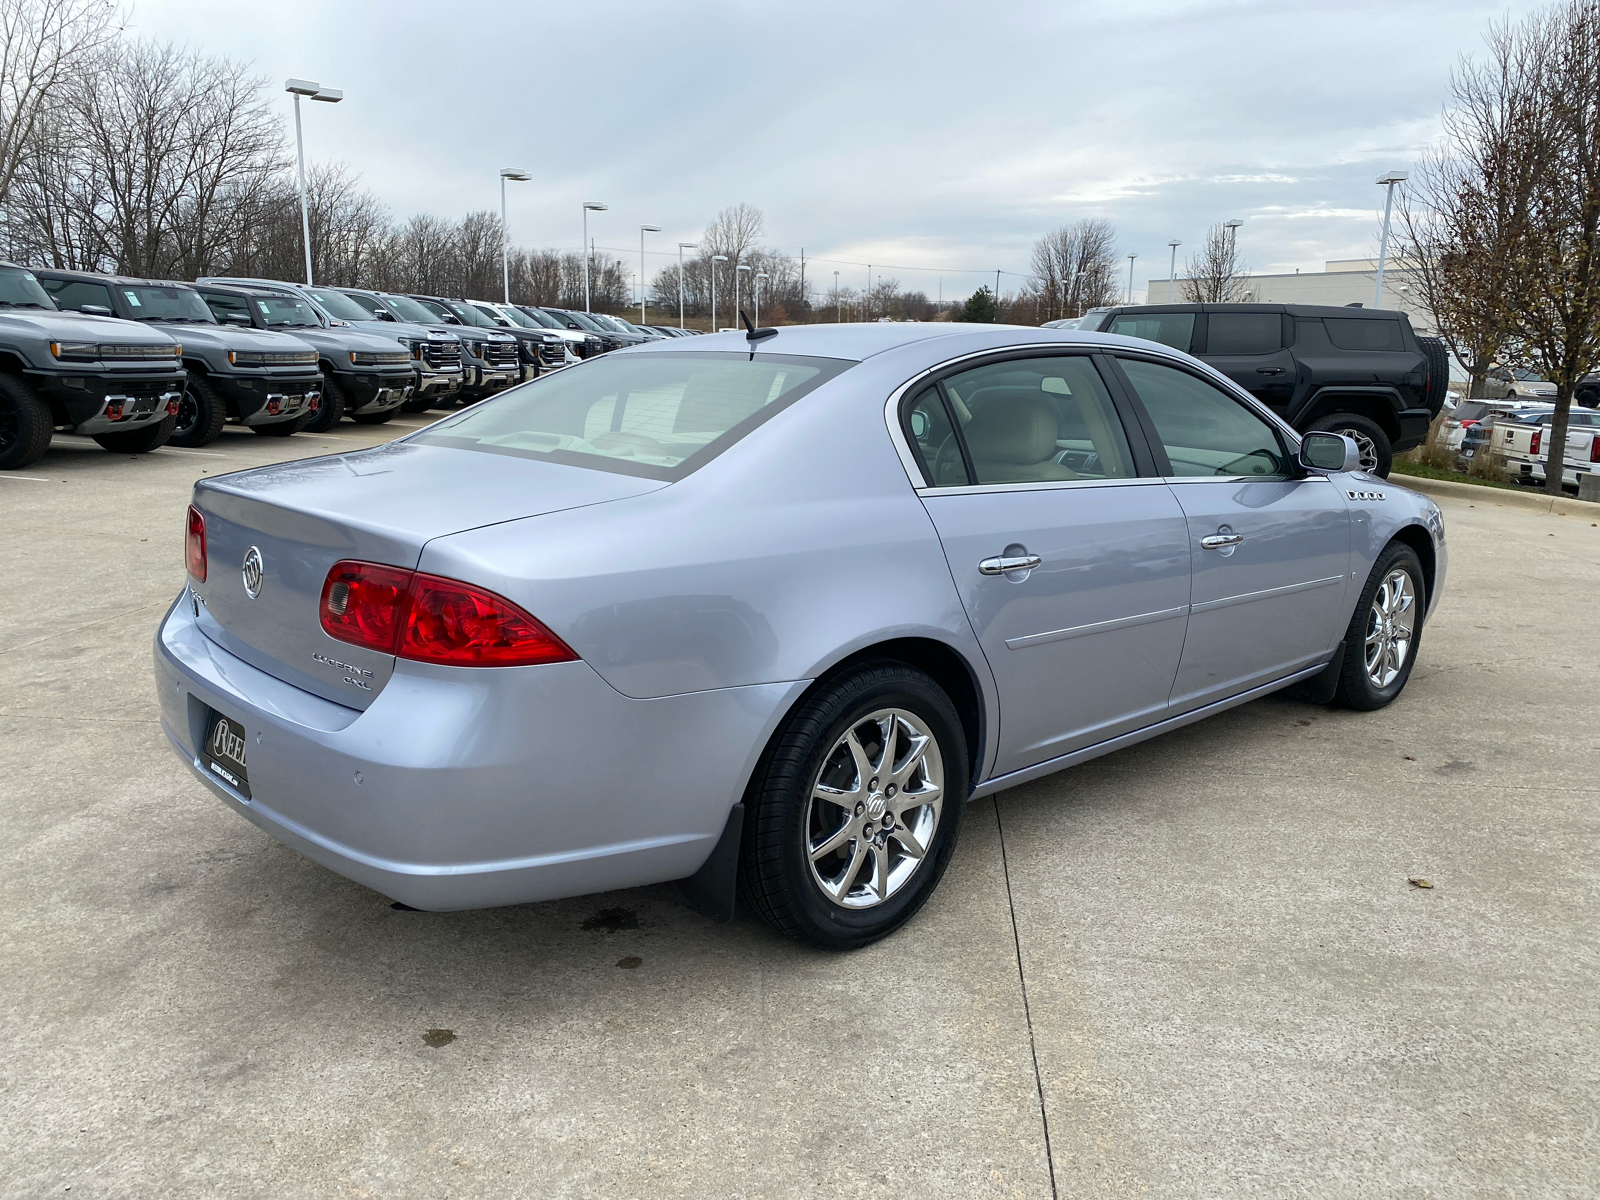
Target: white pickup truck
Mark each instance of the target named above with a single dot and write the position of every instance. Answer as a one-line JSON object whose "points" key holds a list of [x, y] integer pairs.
{"points": [[1525, 445]]}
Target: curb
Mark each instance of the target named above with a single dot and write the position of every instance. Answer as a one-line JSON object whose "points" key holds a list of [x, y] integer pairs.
{"points": [[1530, 501]]}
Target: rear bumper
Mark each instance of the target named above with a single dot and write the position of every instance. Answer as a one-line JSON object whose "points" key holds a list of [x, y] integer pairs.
{"points": [[1414, 424], [462, 788]]}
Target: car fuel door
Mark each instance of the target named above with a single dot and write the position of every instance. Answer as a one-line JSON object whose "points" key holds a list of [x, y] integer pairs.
{"points": [[1073, 569]]}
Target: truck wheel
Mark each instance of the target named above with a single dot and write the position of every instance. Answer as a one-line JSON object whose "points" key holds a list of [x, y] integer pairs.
{"points": [[1376, 456], [331, 410], [377, 418], [855, 808], [1588, 395], [1381, 644], [25, 425], [201, 414], [1438, 373], [138, 441]]}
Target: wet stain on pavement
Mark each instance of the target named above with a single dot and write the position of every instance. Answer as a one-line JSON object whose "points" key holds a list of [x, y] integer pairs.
{"points": [[632, 963], [1455, 767], [439, 1037], [610, 920]]}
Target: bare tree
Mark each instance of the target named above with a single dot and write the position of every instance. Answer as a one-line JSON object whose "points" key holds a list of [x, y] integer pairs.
{"points": [[1074, 269], [1216, 275], [1551, 60], [46, 46]]}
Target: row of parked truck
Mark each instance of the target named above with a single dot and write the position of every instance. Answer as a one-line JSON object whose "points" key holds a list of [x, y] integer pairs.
{"points": [[141, 363]]}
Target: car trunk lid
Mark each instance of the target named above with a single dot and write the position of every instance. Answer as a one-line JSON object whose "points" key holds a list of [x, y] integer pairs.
{"points": [[378, 506]]}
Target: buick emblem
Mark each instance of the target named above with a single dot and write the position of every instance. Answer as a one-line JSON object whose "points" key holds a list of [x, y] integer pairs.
{"points": [[252, 572]]}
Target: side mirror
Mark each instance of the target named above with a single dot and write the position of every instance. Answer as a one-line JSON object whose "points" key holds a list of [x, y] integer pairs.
{"points": [[383, 314], [1330, 452], [96, 310], [236, 318]]}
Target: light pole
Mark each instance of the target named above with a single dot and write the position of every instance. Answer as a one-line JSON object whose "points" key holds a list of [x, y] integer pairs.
{"points": [[589, 206], [298, 88], [736, 313], [1172, 271], [1389, 180], [1131, 257], [760, 275], [505, 267], [997, 297], [838, 301], [682, 246], [715, 259], [643, 229]]}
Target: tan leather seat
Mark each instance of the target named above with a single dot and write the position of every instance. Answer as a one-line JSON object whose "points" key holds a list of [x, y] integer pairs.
{"points": [[1012, 439]]}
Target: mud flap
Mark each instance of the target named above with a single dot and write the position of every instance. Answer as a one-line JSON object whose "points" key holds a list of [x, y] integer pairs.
{"points": [[1320, 688], [711, 890]]}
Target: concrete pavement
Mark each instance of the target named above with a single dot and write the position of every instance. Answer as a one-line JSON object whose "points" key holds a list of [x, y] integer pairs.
{"points": [[1194, 968]]}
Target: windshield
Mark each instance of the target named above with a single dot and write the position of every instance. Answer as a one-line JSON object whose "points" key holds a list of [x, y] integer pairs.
{"points": [[469, 315], [151, 303], [544, 320], [519, 318], [340, 306], [660, 416], [19, 289], [281, 311], [411, 310]]}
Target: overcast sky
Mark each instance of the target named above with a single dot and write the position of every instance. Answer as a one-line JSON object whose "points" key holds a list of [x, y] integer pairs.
{"points": [[936, 135]]}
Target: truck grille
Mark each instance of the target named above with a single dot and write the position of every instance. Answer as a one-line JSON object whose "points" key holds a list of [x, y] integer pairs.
{"points": [[552, 354], [500, 354], [135, 389], [591, 347], [442, 355]]}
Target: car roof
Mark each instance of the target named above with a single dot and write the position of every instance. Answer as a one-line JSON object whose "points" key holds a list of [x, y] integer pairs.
{"points": [[241, 289], [96, 276], [858, 341], [1293, 310]]}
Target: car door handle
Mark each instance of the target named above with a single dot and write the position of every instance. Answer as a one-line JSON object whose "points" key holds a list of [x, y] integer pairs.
{"points": [[1269, 370], [1004, 563], [1218, 541]]}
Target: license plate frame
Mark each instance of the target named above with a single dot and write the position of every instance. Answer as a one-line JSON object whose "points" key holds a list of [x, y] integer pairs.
{"points": [[222, 752]]}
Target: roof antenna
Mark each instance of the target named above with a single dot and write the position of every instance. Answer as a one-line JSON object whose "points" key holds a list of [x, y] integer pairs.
{"points": [[753, 334]]}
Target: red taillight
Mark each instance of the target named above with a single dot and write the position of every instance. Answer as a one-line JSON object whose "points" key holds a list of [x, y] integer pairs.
{"points": [[1538, 440], [1468, 424], [363, 604], [431, 619], [1594, 449], [194, 545]]}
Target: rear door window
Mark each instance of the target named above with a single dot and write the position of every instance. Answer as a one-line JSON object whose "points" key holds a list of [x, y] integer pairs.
{"points": [[1175, 329], [1363, 333], [1243, 333]]}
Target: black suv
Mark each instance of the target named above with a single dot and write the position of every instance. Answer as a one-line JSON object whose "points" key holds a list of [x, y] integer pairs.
{"points": [[1359, 372]]}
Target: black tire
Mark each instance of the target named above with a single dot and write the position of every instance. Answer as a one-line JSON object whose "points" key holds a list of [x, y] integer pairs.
{"points": [[1357, 689], [776, 878], [331, 411], [417, 404], [1377, 454], [139, 441], [1438, 373], [201, 413], [377, 418], [283, 428], [1588, 395], [25, 424]]}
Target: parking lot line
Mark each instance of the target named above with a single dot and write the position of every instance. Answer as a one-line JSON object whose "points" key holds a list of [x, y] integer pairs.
{"points": [[34, 478], [186, 450]]}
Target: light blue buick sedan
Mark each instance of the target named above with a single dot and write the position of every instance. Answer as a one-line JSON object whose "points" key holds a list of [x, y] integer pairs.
{"points": [[763, 611]]}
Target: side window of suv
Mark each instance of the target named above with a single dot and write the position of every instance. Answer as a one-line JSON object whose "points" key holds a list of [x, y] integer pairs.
{"points": [[75, 293], [221, 305], [1175, 329], [1204, 430], [1243, 333]]}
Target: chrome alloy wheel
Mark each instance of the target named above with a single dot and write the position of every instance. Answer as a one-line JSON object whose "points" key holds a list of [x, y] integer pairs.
{"points": [[1367, 447], [1391, 623], [874, 808]]}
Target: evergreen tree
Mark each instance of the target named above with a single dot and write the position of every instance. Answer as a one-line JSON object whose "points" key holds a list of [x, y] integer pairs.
{"points": [[980, 306]]}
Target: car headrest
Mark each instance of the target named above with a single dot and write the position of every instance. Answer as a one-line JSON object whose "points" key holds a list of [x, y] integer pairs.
{"points": [[1013, 429]]}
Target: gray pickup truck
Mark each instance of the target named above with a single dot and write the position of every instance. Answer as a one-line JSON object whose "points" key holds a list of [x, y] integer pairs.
{"points": [[493, 357], [364, 377], [115, 381], [435, 351], [265, 381]]}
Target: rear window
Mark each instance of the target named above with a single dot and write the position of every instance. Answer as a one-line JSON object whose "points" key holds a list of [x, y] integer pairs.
{"points": [[660, 416], [1174, 329], [1470, 410], [1364, 333], [1244, 333]]}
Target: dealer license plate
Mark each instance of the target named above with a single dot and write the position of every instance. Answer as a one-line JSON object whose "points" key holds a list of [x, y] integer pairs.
{"points": [[223, 753]]}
